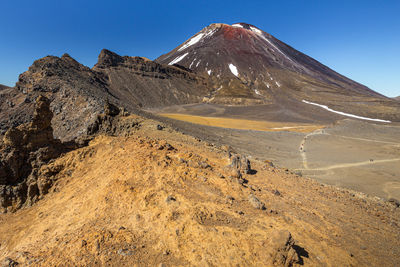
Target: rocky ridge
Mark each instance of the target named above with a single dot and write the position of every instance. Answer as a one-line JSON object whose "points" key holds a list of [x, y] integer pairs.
{"points": [[78, 93], [144, 83]]}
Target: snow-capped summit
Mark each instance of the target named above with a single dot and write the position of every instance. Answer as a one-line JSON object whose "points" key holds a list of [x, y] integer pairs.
{"points": [[248, 66]]}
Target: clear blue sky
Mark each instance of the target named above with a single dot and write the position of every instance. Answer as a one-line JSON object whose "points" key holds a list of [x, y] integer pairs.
{"points": [[360, 39]]}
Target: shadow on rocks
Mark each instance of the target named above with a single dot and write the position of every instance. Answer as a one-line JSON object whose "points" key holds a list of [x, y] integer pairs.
{"points": [[301, 252]]}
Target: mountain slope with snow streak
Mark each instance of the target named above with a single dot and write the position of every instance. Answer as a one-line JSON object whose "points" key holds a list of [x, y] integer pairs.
{"points": [[254, 67]]}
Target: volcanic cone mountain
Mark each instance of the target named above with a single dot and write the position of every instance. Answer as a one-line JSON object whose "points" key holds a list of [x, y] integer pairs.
{"points": [[250, 66]]}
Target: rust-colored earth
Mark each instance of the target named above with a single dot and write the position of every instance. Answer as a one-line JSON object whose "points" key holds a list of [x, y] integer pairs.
{"points": [[162, 198]]}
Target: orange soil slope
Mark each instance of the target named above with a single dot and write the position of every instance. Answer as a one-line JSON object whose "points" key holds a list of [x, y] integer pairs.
{"points": [[137, 201]]}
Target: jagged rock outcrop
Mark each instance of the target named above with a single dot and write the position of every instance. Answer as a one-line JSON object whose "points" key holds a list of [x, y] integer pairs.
{"points": [[24, 150], [145, 83], [78, 93], [114, 121], [240, 163]]}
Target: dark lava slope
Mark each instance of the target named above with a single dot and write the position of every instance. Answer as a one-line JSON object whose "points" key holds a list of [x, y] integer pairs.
{"points": [[249, 66]]}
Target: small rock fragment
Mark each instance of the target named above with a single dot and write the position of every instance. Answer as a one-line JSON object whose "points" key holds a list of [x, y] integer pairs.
{"points": [[170, 199], [394, 202], [9, 262], [230, 199], [169, 147], [256, 203], [204, 165], [125, 252], [277, 193]]}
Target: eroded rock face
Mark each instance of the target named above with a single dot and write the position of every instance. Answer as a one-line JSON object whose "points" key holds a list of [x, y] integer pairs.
{"points": [[24, 150], [26, 170], [114, 121], [77, 94]]}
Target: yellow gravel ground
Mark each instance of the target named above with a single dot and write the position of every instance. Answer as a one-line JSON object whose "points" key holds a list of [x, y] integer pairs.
{"points": [[244, 124]]}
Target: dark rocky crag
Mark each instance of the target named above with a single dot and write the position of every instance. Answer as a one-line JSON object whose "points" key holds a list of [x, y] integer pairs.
{"points": [[141, 82], [24, 150], [78, 93], [75, 92]]}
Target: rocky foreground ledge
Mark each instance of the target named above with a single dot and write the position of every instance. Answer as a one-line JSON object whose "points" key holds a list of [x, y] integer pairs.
{"points": [[28, 151], [139, 193]]}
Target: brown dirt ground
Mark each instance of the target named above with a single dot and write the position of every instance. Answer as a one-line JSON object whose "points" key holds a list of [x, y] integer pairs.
{"points": [[109, 208]]}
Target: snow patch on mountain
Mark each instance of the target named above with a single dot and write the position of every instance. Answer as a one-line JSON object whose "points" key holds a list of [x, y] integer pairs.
{"points": [[257, 92], [176, 60], [278, 84], [190, 66], [234, 70], [209, 72], [237, 25], [192, 41], [256, 30], [343, 113], [209, 33]]}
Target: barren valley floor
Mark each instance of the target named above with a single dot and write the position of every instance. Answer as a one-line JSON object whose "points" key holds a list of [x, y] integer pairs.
{"points": [[354, 154]]}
